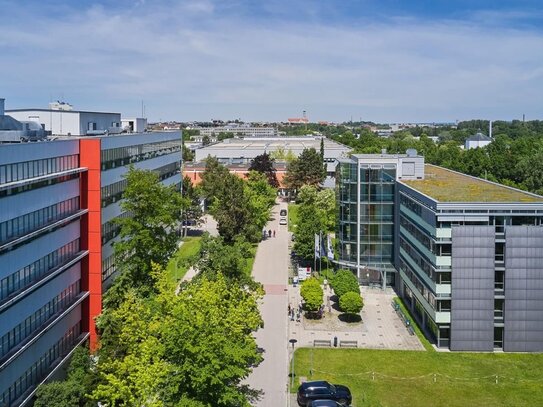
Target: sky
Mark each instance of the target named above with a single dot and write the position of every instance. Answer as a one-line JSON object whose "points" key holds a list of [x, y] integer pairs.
{"points": [[376, 60]]}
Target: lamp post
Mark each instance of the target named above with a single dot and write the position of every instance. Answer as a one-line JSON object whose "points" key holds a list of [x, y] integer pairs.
{"points": [[292, 342]]}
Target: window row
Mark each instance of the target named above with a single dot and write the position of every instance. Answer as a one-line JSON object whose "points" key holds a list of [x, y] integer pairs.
{"points": [[31, 324], [42, 367], [31, 273], [113, 192], [426, 293], [420, 236], [36, 168], [37, 185], [118, 157], [111, 228], [108, 267], [25, 224], [419, 260]]}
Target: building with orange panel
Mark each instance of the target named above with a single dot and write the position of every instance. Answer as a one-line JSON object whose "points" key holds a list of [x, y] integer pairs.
{"points": [[58, 200]]}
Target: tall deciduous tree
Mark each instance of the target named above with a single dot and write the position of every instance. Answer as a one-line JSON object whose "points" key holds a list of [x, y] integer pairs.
{"points": [[193, 211], [148, 235], [190, 349], [213, 179], [307, 169], [309, 224], [264, 164]]}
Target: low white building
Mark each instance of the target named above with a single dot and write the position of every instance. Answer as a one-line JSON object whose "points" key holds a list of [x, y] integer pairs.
{"points": [[476, 141], [134, 125], [60, 119]]}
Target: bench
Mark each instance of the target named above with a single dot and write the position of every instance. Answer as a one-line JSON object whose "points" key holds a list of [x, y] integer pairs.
{"points": [[348, 344], [322, 342], [411, 330]]}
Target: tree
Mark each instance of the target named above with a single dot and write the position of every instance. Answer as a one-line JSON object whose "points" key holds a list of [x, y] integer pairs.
{"points": [[230, 260], [193, 211], [309, 224], [351, 303], [72, 391], [187, 154], [312, 293], [232, 211], [264, 164], [261, 197], [326, 203], [206, 140], [148, 235], [307, 169], [345, 281], [213, 179], [307, 195], [191, 349]]}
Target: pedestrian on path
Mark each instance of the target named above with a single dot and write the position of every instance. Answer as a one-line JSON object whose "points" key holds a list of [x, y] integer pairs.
{"points": [[269, 233], [292, 314], [298, 316], [289, 308], [274, 233]]}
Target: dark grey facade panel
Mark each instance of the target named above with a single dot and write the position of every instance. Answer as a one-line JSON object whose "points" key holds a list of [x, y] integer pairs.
{"points": [[523, 319], [472, 291]]}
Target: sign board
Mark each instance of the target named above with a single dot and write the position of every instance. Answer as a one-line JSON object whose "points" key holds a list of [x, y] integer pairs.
{"points": [[304, 273]]}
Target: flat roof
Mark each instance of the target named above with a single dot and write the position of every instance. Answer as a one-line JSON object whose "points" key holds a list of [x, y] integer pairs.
{"points": [[276, 143], [55, 111], [444, 185]]}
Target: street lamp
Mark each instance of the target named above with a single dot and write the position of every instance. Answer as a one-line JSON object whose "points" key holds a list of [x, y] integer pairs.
{"points": [[292, 342]]}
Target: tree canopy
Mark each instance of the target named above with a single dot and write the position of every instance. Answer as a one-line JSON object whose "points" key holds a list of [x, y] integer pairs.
{"points": [[307, 169], [311, 292], [264, 164], [345, 281]]}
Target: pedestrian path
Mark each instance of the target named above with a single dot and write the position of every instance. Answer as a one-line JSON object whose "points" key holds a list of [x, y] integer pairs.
{"points": [[271, 269]]}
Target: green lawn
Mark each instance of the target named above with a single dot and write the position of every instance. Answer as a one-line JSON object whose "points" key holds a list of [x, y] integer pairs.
{"points": [[248, 269], [292, 217], [406, 378], [183, 258]]}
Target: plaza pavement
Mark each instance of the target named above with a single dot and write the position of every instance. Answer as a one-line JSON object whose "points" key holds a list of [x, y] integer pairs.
{"points": [[271, 269], [381, 327]]}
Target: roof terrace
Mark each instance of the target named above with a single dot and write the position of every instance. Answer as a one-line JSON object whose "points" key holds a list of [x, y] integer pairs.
{"points": [[445, 185]]}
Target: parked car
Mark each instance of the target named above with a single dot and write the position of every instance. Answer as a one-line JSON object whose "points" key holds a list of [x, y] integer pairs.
{"points": [[283, 212], [322, 390], [325, 403], [283, 221]]}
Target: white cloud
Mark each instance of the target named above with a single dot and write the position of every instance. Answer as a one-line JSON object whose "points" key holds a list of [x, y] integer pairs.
{"points": [[191, 61]]}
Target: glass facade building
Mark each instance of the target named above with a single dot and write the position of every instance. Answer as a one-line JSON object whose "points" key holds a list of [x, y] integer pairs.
{"points": [[58, 201]]}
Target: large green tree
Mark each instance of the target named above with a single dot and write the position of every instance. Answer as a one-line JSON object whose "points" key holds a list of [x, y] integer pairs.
{"points": [[307, 169], [309, 224], [311, 292], [264, 164], [148, 234], [192, 212], [193, 348]]}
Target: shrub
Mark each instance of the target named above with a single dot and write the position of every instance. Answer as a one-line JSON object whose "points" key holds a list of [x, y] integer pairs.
{"points": [[311, 292], [345, 281], [351, 303]]}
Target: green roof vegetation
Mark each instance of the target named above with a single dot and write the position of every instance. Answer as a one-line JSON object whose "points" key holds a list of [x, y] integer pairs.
{"points": [[444, 185]]}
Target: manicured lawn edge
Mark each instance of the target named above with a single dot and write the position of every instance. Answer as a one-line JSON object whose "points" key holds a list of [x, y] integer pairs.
{"points": [[292, 217], [184, 257], [418, 331]]}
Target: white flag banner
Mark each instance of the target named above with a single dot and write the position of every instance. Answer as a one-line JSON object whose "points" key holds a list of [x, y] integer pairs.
{"points": [[317, 246], [330, 249]]}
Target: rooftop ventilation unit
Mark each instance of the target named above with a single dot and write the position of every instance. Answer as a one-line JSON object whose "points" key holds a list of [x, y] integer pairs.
{"points": [[411, 152]]}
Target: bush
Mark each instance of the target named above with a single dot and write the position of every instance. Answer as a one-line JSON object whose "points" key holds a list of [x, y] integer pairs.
{"points": [[351, 303], [311, 292], [345, 281]]}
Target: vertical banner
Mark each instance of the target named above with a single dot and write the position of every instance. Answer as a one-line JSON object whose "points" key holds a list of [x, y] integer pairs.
{"points": [[330, 251], [317, 246]]}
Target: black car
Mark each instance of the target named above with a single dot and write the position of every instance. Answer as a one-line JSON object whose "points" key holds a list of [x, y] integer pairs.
{"points": [[322, 390], [325, 403], [283, 212]]}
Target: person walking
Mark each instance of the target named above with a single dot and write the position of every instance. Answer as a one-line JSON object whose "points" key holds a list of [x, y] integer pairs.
{"points": [[274, 233], [269, 233]]}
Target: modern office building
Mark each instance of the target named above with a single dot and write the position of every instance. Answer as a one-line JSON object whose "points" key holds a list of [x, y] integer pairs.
{"points": [[60, 119], [466, 254], [236, 129], [57, 203]]}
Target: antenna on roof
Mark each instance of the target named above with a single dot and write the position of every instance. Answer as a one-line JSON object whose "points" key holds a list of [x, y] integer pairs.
{"points": [[490, 129]]}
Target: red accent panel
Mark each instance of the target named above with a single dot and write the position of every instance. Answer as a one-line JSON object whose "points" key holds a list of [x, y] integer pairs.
{"points": [[91, 239]]}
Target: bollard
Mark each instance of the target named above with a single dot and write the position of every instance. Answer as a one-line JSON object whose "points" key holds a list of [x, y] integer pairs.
{"points": [[335, 341]]}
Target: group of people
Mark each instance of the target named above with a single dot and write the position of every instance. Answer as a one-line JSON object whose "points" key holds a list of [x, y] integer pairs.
{"points": [[268, 233], [292, 312]]}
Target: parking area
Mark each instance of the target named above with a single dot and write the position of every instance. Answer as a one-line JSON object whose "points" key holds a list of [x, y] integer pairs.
{"points": [[380, 327]]}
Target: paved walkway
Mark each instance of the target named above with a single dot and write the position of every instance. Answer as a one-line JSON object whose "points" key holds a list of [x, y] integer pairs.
{"points": [[271, 268], [381, 328]]}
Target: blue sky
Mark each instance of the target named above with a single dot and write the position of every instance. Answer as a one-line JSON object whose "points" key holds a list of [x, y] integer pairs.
{"points": [[386, 61]]}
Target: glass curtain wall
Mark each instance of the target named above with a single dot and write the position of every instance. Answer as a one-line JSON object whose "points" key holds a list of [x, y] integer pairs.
{"points": [[377, 186], [347, 190]]}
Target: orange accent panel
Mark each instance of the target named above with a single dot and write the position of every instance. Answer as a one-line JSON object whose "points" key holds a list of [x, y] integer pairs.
{"points": [[91, 238]]}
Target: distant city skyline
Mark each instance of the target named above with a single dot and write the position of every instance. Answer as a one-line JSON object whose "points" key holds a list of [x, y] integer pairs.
{"points": [[197, 60]]}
